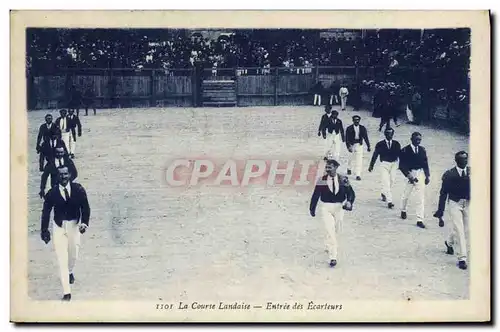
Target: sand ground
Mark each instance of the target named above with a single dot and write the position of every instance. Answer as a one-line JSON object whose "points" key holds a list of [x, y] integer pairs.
{"points": [[150, 241]]}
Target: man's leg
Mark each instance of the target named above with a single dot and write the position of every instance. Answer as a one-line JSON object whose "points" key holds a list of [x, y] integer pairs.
{"points": [[406, 195], [328, 214], [385, 169], [66, 137], [328, 143], [456, 213], [336, 146], [359, 159], [73, 244], [420, 196], [60, 238]]}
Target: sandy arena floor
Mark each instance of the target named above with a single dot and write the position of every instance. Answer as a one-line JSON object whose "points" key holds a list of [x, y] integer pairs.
{"points": [[150, 241]]}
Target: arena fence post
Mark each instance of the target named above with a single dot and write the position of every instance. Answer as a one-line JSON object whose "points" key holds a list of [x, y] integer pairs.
{"points": [[276, 79], [152, 89]]}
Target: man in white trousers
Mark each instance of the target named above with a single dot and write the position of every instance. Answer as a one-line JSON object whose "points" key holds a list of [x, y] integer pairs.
{"points": [[343, 93], [71, 218], [456, 190], [388, 150], [64, 124], [74, 125], [414, 165], [332, 130], [336, 195], [355, 134]]}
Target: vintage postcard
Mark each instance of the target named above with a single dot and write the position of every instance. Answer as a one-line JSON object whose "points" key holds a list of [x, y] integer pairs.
{"points": [[250, 166]]}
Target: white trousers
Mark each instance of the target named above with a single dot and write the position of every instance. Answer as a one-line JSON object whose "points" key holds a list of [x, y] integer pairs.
{"points": [[72, 144], [356, 159], [459, 215], [66, 137], [336, 99], [343, 101], [419, 189], [317, 99], [66, 245], [387, 174], [332, 144], [333, 214]]}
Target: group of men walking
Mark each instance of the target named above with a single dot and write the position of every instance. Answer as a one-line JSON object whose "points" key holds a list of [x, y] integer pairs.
{"points": [[336, 94], [56, 146], [337, 194]]}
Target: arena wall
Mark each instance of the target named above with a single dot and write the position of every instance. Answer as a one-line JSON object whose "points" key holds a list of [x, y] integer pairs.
{"points": [[181, 87]]}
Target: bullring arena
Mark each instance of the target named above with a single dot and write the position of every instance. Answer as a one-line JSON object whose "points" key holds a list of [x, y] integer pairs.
{"points": [[151, 241]]}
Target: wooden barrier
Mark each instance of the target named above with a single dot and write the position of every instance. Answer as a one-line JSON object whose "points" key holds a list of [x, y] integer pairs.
{"points": [[205, 87], [219, 93]]}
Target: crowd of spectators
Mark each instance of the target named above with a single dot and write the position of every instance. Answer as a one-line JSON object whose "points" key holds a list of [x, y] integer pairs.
{"points": [[57, 48], [432, 59]]}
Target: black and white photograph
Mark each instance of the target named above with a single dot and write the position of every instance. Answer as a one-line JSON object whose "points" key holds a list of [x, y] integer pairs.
{"points": [[324, 170]]}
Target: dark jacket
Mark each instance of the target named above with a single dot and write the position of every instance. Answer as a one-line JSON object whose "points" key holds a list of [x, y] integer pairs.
{"points": [[49, 151], [58, 124], [74, 124], [327, 124], [75, 209], [350, 136], [44, 134], [409, 161], [454, 187], [386, 154], [321, 191], [51, 168]]}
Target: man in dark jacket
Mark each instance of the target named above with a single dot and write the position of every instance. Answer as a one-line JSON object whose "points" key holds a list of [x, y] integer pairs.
{"points": [[44, 134], [456, 190], [71, 219], [48, 147], [336, 195], [75, 126], [61, 159], [355, 134], [414, 165], [388, 150]]}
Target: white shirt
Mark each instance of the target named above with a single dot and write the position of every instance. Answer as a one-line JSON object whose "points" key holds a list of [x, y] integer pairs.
{"points": [[63, 123], [331, 181], [53, 143], [356, 132], [460, 170], [61, 190], [343, 91], [49, 125], [414, 148], [389, 143], [59, 162]]}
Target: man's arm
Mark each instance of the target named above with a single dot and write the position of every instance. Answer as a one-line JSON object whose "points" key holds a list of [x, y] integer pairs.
{"points": [[79, 126], [348, 137], [365, 137], [72, 169], [443, 195], [375, 155], [314, 199], [45, 176], [321, 129], [426, 164], [39, 138], [47, 208], [403, 167], [342, 131], [64, 146], [84, 205], [350, 195]]}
